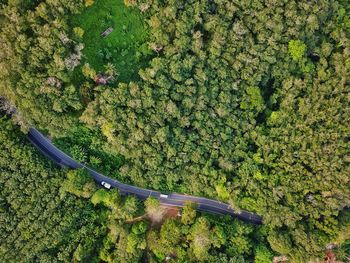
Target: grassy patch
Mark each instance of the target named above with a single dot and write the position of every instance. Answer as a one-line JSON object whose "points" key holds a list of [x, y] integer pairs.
{"points": [[125, 47]]}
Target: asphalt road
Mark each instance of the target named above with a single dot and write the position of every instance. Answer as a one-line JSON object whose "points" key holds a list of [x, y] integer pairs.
{"points": [[44, 145]]}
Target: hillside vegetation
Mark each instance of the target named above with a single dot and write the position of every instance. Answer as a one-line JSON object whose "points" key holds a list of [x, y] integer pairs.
{"points": [[53, 215], [245, 102]]}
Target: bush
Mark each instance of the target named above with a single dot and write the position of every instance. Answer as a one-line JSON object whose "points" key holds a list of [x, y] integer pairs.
{"points": [[263, 255], [78, 32]]}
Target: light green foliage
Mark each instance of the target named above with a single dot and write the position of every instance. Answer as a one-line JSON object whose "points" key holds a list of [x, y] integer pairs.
{"points": [[78, 182], [78, 153], [124, 241], [134, 242], [152, 204], [219, 237], [108, 198], [262, 255], [200, 239], [238, 240], [130, 2], [167, 241], [78, 32], [222, 192], [88, 72], [139, 228], [130, 207], [274, 118], [101, 196], [254, 100], [204, 239], [280, 242], [297, 49], [249, 203], [188, 213], [111, 71]]}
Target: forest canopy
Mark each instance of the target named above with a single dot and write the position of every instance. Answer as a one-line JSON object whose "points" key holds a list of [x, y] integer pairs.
{"points": [[245, 102], [243, 106], [53, 215]]}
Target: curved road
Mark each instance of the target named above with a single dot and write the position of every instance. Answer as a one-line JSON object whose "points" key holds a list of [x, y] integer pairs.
{"points": [[204, 204]]}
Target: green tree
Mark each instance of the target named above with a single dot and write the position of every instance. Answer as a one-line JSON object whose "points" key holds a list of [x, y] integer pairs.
{"points": [[88, 72], [36, 224], [297, 49], [262, 255], [188, 213], [78, 182], [200, 239], [107, 198], [154, 210]]}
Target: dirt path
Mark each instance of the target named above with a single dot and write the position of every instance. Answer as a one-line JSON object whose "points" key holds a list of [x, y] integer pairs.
{"points": [[168, 212]]}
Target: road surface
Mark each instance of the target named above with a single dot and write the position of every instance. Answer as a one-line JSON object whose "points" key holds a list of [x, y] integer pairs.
{"points": [[203, 204]]}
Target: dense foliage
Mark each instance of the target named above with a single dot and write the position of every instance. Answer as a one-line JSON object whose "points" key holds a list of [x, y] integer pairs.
{"points": [[37, 224], [157, 236], [36, 56], [242, 101], [42, 56], [44, 218], [247, 103], [85, 146]]}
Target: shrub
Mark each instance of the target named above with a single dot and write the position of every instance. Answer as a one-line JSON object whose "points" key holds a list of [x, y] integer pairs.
{"points": [[296, 49]]}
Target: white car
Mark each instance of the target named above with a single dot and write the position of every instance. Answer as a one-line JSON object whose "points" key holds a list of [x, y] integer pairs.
{"points": [[106, 185], [163, 196]]}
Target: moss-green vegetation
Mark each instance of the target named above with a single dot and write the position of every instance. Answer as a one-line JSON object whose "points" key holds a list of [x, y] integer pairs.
{"points": [[125, 47]]}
